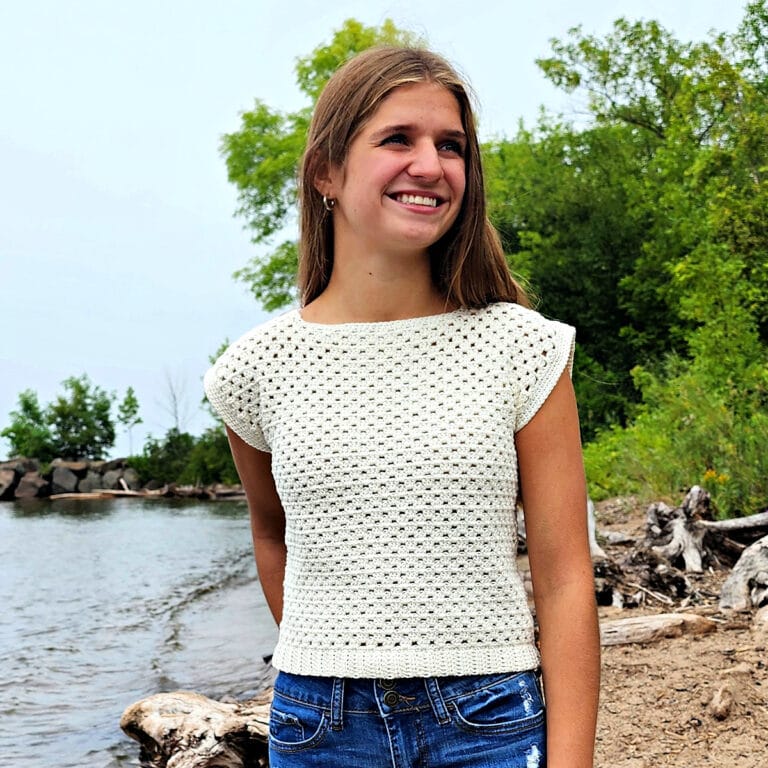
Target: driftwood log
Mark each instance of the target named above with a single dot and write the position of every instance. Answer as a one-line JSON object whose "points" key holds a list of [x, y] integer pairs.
{"points": [[648, 629], [187, 730], [747, 585], [678, 545]]}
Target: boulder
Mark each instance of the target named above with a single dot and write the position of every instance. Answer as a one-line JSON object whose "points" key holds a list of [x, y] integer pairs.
{"points": [[112, 465], [98, 466], [91, 482], [132, 479], [21, 465], [111, 479], [78, 468], [8, 480], [32, 485], [63, 481]]}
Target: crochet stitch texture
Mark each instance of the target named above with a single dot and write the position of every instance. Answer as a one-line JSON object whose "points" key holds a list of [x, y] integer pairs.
{"points": [[393, 454]]}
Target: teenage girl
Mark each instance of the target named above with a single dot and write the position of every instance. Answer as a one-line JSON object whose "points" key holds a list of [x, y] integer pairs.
{"points": [[384, 432]]}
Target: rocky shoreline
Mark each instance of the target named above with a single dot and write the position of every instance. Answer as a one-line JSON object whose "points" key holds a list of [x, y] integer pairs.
{"points": [[22, 478]]}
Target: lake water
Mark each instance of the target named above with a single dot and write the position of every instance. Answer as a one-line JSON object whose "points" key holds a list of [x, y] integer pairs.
{"points": [[105, 602]]}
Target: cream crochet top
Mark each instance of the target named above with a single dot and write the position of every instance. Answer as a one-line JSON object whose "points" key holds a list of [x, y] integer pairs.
{"points": [[393, 453]]}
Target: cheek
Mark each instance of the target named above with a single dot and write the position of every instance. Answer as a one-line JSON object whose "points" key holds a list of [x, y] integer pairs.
{"points": [[458, 179], [459, 184]]}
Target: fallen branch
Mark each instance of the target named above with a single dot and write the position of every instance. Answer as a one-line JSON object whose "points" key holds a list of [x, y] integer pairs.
{"points": [[649, 629]]}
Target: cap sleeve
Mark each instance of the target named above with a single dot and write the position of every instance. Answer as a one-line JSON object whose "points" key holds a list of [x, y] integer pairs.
{"points": [[232, 388], [543, 350]]}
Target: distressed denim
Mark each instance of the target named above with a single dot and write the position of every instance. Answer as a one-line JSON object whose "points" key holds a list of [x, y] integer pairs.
{"points": [[478, 721]]}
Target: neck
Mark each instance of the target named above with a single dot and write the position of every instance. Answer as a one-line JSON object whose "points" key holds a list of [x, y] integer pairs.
{"points": [[377, 288]]}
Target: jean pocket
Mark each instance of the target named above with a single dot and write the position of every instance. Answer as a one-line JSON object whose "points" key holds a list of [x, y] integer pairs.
{"points": [[294, 726], [509, 704]]}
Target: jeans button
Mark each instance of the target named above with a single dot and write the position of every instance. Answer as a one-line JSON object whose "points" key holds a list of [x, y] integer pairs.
{"points": [[387, 684], [391, 698]]}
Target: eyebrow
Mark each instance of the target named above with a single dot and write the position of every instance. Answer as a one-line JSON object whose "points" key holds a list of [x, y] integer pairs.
{"points": [[406, 128]]}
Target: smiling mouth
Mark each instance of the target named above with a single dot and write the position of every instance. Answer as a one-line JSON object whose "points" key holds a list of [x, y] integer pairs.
{"points": [[428, 200]]}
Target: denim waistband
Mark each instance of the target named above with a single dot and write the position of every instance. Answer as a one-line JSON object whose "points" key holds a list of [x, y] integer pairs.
{"points": [[386, 696]]}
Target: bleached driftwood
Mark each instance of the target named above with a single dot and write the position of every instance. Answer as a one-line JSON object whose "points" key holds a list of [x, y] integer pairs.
{"points": [[755, 526], [187, 730], [676, 534], [649, 629], [747, 585]]}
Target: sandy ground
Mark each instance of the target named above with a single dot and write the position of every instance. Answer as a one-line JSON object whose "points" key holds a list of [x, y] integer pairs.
{"points": [[655, 699]]}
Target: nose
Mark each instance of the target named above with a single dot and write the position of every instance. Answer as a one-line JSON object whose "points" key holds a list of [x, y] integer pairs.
{"points": [[425, 162]]}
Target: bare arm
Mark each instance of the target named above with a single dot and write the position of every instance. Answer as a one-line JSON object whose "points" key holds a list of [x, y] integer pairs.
{"points": [[554, 499], [267, 519]]}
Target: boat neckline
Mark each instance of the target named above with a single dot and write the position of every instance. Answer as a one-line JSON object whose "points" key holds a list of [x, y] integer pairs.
{"points": [[380, 324]]}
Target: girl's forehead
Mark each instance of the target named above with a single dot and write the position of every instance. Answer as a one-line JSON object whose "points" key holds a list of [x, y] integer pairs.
{"points": [[418, 98]]}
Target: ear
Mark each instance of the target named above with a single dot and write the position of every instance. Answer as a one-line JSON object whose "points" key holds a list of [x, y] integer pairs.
{"points": [[326, 179]]}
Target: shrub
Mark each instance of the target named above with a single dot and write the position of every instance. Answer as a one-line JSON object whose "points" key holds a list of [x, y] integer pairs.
{"points": [[687, 432], [182, 458]]}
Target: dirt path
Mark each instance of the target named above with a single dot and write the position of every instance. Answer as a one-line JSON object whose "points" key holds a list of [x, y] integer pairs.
{"points": [[655, 709]]}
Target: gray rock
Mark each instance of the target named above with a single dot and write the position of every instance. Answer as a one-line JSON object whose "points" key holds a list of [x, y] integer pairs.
{"points": [[64, 480], [79, 468], [111, 479], [32, 485], [131, 477], [8, 479], [91, 482], [109, 466], [21, 465]]}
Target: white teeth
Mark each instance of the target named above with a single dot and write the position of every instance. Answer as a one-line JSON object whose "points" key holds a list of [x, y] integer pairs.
{"points": [[417, 200]]}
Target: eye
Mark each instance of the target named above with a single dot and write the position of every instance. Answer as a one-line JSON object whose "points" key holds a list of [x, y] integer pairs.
{"points": [[395, 138], [454, 147]]}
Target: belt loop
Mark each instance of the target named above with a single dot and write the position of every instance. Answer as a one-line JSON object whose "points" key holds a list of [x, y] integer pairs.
{"points": [[337, 703], [436, 700]]}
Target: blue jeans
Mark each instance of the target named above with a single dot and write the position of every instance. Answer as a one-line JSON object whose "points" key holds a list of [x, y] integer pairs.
{"points": [[482, 721]]}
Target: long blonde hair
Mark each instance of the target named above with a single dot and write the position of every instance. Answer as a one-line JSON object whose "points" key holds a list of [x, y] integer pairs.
{"points": [[468, 263]]}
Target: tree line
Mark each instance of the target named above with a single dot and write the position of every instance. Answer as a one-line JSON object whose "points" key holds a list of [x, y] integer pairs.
{"points": [[82, 421]]}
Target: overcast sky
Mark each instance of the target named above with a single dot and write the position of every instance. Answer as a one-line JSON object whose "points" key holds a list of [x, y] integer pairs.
{"points": [[117, 235]]}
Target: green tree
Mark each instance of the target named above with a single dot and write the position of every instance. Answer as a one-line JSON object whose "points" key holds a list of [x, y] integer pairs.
{"points": [[263, 156], [180, 457], [612, 221], [29, 433], [695, 295], [557, 195], [128, 414], [210, 460], [81, 420], [700, 111], [165, 460]]}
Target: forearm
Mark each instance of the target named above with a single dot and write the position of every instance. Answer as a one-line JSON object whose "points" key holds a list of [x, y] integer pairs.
{"points": [[570, 652], [267, 519], [270, 564]]}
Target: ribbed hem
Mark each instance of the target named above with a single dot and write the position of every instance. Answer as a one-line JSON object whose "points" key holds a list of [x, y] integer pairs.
{"points": [[399, 662]]}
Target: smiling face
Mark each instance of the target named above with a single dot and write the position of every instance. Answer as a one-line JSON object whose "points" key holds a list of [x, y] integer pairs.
{"points": [[402, 183]]}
